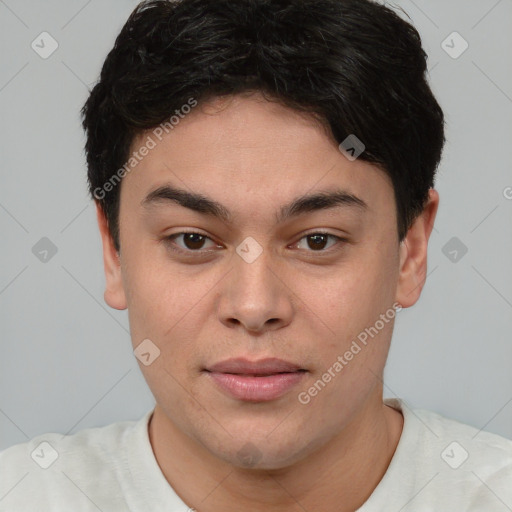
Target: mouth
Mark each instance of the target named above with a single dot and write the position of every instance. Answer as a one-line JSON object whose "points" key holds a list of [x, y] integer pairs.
{"points": [[255, 381]]}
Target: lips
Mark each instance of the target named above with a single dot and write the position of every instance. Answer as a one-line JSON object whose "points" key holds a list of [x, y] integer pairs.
{"points": [[241, 366], [256, 381]]}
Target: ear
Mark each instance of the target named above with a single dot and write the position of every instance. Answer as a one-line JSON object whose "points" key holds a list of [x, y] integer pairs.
{"points": [[413, 254], [114, 291]]}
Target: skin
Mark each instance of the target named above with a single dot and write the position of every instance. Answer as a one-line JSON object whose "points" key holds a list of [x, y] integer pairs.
{"points": [[254, 156]]}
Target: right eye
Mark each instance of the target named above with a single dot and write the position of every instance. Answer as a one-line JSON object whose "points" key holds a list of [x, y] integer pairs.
{"points": [[192, 242]]}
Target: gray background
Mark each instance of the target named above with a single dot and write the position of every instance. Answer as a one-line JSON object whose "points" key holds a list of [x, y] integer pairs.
{"points": [[66, 360]]}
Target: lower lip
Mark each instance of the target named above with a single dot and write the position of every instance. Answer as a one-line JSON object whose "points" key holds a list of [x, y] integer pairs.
{"points": [[256, 389]]}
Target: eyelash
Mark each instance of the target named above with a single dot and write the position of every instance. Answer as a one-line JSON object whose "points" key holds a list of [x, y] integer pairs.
{"points": [[188, 252]]}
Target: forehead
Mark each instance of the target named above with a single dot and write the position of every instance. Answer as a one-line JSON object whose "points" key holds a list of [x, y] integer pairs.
{"points": [[249, 151]]}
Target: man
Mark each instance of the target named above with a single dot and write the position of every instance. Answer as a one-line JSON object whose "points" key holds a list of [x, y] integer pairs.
{"points": [[263, 172]]}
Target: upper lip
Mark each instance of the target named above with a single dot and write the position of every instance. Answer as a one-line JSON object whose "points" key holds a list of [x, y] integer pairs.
{"points": [[267, 366]]}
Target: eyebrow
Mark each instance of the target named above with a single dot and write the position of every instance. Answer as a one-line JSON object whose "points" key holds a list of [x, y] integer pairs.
{"points": [[303, 204]]}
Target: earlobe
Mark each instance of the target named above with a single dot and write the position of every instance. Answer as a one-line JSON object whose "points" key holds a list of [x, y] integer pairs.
{"points": [[114, 291], [413, 254]]}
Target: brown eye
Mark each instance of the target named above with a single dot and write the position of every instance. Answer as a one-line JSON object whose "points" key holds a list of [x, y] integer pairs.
{"points": [[317, 242], [191, 242]]}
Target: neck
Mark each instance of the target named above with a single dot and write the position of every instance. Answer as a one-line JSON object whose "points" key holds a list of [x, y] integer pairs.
{"points": [[340, 476]]}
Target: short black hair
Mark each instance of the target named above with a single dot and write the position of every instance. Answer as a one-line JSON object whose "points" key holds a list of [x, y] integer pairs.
{"points": [[354, 64]]}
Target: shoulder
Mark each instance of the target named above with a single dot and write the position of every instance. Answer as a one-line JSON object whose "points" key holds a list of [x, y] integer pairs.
{"points": [[45, 449], [484, 446], [471, 466], [55, 469]]}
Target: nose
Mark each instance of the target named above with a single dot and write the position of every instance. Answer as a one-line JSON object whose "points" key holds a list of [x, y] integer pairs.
{"points": [[256, 295]]}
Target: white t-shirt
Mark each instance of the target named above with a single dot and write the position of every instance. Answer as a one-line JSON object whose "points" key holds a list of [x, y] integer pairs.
{"points": [[440, 465]]}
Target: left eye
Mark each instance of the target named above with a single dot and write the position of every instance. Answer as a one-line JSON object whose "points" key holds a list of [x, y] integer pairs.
{"points": [[194, 242], [317, 241]]}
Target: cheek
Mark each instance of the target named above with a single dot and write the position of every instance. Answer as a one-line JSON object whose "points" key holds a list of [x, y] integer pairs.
{"points": [[373, 283], [351, 297], [156, 299], [347, 308], [169, 307]]}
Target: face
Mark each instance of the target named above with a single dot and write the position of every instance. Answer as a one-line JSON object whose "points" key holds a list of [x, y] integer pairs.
{"points": [[244, 275]]}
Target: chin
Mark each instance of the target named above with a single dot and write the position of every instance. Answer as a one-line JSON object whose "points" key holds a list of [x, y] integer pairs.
{"points": [[261, 452]]}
